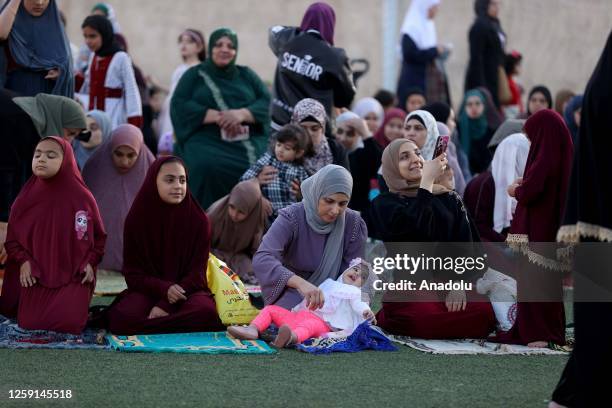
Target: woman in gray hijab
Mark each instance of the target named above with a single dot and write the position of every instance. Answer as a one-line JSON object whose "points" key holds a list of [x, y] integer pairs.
{"points": [[509, 127], [23, 122], [310, 241]]}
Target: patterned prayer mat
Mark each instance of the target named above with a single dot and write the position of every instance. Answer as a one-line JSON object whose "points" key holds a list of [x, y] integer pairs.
{"points": [[13, 336], [364, 337], [204, 343], [479, 346], [109, 283]]}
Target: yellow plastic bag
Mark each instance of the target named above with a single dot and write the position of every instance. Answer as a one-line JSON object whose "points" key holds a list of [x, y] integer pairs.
{"points": [[231, 297]]}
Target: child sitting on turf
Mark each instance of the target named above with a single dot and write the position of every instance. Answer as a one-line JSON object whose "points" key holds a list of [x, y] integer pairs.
{"points": [[280, 172], [342, 311]]}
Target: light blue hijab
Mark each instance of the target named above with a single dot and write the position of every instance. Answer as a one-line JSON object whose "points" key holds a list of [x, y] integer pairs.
{"points": [[83, 154], [330, 180]]}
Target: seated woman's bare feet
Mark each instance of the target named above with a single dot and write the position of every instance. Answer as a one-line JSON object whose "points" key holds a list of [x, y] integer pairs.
{"points": [[553, 404], [244, 332], [285, 337], [538, 344]]}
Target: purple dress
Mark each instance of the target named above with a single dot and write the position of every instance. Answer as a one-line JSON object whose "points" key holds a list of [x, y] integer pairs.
{"points": [[291, 247]]}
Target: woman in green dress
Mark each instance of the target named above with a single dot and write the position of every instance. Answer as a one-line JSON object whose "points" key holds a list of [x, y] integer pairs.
{"points": [[220, 116]]}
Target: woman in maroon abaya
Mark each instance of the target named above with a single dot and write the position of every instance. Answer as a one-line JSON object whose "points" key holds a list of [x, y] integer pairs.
{"points": [[541, 197], [166, 246], [54, 242]]}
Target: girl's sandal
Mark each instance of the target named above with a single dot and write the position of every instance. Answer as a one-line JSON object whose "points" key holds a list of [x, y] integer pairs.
{"points": [[285, 337], [243, 332]]}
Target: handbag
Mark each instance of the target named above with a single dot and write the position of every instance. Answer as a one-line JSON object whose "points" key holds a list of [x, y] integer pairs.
{"points": [[503, 87]]}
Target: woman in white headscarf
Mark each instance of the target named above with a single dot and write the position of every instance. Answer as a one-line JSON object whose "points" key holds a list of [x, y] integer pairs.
{"points": [[486, 195], [508, 165], [421, 127], [370, 110], [422, 55]]}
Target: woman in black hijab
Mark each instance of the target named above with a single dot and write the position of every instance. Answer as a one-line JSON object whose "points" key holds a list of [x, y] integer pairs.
{"points": [[487, 41], [539, 98], [585, 380]]}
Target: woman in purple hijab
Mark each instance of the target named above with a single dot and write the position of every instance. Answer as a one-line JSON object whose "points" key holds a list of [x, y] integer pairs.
{"points": [[114, 174], [322, 18], [309, 66]]}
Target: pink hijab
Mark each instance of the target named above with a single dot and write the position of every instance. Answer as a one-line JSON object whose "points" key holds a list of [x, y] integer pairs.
{"points": [[115, 192]]}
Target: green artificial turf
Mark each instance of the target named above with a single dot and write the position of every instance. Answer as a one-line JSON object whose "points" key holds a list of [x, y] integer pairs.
{"points": [[406, 378]]}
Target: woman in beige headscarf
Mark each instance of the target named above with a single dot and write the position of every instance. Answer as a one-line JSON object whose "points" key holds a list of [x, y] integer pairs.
{"points": [[237, 224], [417, 210]]}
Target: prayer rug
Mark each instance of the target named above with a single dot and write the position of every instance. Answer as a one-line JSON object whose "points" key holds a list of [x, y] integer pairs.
{"points": [[14, 337], [109, 283], [203, 343], [364, 337], [478, 346]]}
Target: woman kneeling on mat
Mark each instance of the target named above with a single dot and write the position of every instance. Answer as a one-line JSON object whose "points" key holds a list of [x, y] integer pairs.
{"points": [[166, 246]]}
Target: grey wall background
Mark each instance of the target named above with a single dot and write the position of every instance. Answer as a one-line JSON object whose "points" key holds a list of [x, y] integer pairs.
{"points": [[560, 40]]}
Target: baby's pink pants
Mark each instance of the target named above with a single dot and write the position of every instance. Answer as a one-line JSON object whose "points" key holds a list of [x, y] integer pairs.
{"points": [[303, 323]]}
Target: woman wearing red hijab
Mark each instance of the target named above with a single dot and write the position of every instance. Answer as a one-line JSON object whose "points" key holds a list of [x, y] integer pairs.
{"points": [[541, 194], [54, 242], [165, 252]]}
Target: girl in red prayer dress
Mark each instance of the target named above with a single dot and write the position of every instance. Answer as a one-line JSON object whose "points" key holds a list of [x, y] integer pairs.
{"points": [[165, 252], [54, 242]]}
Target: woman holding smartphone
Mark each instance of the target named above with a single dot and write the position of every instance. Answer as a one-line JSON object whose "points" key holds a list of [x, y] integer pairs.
{"points": [[416, 209]]}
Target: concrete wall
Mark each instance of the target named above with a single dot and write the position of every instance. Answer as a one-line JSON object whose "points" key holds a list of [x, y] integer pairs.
{"points": [[561, 40]]}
